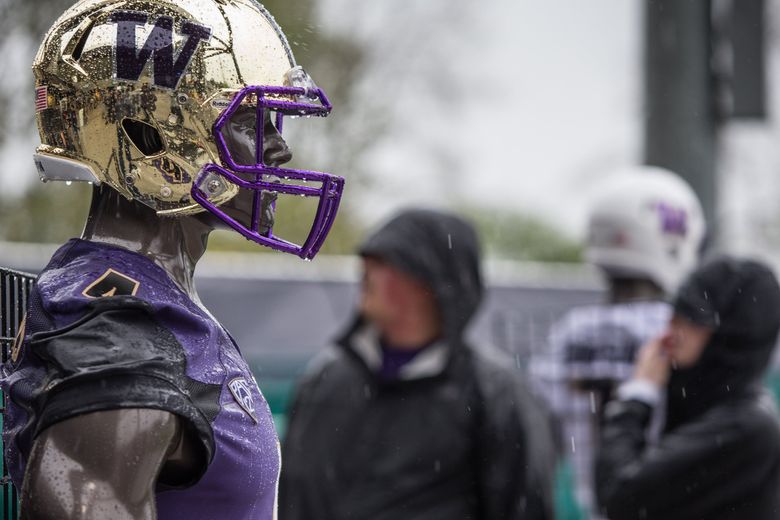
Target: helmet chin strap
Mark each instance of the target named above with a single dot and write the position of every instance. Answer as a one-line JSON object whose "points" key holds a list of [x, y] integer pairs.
{"points": [[626, 290], [267, 215]]}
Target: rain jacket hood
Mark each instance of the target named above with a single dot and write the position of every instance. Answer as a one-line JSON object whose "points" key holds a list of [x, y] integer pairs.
{"points": [[440, 250], [740, 301]]}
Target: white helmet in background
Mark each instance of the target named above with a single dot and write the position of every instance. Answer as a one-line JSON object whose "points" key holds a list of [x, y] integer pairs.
{"points": [[646, 223]]}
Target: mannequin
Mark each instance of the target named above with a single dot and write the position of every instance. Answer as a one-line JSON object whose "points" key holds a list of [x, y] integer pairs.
{"points": [[126, 397], [106, 464]]}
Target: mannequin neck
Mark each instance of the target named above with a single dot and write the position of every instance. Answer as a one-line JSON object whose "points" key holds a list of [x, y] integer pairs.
{"points": [[173, 243], [625, 290]]}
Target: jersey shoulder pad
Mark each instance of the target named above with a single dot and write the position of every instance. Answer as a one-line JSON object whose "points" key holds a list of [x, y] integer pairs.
{"points": [[81, 272]]}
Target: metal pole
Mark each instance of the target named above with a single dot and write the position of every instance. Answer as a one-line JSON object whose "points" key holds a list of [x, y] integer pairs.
{"points": [[680, 126], [745, 31]]}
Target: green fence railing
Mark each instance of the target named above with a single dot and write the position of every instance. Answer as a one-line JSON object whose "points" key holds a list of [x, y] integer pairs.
{"points": [[14, 290]]}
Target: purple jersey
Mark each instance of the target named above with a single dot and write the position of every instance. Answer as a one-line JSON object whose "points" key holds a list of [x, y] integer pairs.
{"points": [[106, 329]]}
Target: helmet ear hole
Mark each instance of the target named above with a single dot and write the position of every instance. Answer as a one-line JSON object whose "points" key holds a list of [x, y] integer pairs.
{"points": [[144, 136]]}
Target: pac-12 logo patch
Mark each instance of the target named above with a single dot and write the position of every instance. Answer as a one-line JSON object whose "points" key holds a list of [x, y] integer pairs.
{"points": [[112, 283], [243, 395]]}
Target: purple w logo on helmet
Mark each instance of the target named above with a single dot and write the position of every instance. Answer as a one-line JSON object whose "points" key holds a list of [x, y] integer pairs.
{"points": [[130, 62], [674, 221]]}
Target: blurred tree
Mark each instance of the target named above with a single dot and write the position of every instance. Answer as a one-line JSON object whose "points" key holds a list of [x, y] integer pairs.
{"points": [[49, 213], [337, 64], [512, 236], [22, 25], [55, 212]]}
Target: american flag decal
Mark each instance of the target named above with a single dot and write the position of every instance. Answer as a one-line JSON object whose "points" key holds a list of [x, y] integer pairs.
{"points": [[41, 98]]}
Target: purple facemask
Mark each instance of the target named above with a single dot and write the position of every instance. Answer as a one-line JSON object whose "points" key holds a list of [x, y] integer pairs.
{"points": [[268, 181]]}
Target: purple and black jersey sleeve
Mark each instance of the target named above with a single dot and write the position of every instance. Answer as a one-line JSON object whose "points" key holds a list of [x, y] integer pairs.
{"points": [[118, 356]]}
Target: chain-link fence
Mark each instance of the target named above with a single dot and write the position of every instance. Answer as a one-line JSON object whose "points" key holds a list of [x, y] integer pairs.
{"points": [[14, 290]]}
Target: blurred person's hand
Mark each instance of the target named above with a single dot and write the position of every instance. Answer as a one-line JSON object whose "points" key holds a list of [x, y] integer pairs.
{"points": [[653, 363]]}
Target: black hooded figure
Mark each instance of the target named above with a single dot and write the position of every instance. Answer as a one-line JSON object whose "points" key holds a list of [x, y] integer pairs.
{"points": [[719, 455], [453, 434]]}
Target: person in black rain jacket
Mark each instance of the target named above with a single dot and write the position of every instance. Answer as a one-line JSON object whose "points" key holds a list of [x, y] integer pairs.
{"points": [[719, 455], [403, 419]]}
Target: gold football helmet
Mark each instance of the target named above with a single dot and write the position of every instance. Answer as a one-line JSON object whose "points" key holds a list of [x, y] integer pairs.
{"points": [[136, 94]]}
